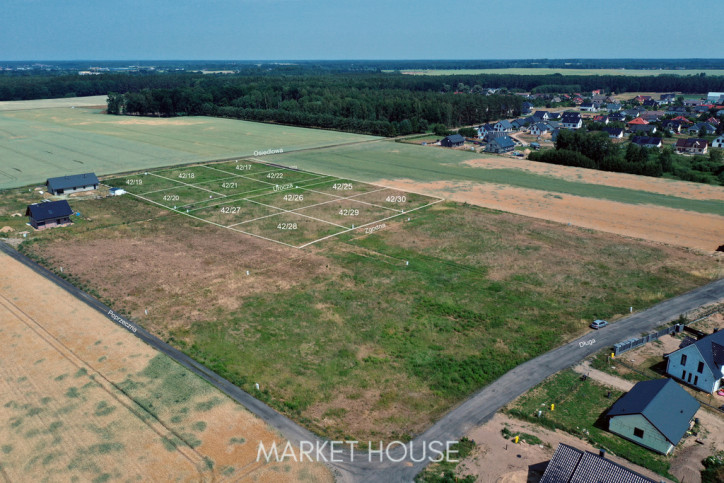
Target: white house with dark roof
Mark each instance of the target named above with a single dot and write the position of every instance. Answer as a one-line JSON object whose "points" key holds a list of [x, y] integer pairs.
{"points": [[72, 184], [718, 142], [571, 120], [700, 364], [540, 128], [503, 126]]}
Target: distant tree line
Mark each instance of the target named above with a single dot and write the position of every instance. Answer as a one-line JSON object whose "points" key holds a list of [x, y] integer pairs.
{"points": [[374, 104], [595, 150]]}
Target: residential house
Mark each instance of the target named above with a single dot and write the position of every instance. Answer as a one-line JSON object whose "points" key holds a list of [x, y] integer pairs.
{"points": [[540, 128], [526, 107], [520, 123], [588, 107], [652, 116], [642, 128], [571, 465], [72, 184], [718, 142], [647, 142], [651, 103], [667, 98], [500, 145], [696, 128], [614, 132], [700, 109], [642, 99], [693, 102], [596, 92], [654, 414], [617, 117], [599, 99], [49, 214], [632, 113], [452, 141], [571, 120], [676, 111], [682, 119], [540, 116], [484, 129], [672, 126], [613, 107], [701, 363], [713, 121], [554, 116], [556, 99], [602, 119], [691, 146], [638, 121], [554, 134], [503, 126]]}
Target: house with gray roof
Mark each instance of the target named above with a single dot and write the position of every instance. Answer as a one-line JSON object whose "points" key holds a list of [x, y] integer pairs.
{"points": [[520, 123], [540, 115], [72, 184], [571, 465], [452, 141], [571, 120], [499, 145], [503, 126], [613, 132], [654, 414], [647, 142], [700, 364], [617, 117], [49, 214], [696, 128], [613, 107], [540, 128], [642, 128], [484, 129]]}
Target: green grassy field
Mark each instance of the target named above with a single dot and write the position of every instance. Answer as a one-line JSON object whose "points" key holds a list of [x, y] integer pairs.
{"points": [[364, 336], [40, 143], [547, 71], [374, 162]]}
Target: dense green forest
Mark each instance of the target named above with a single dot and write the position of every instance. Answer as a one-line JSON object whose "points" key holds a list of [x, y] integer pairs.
{"points": [[595, 150], [375, 104]]}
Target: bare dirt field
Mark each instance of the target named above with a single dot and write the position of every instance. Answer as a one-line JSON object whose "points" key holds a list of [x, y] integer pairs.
{"points": [[497, 460], [83, 399], [648, 222], [682, 189]]}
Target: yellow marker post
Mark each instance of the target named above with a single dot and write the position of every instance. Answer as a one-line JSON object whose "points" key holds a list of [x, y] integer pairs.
{"points": [[613, 356], [553, 407], [517, 438]]}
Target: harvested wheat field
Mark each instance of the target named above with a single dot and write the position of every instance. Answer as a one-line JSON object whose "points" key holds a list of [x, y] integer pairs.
{"points": [[683, 228], [82, 399]]}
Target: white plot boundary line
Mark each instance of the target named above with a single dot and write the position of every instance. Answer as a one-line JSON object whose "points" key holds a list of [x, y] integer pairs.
{"points": [[282, 210], [212, 223], [195, 185], [187, 184], [368, 224]]}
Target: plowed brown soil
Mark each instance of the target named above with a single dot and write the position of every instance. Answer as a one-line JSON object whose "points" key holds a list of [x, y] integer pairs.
{"points": [[655, 223]]}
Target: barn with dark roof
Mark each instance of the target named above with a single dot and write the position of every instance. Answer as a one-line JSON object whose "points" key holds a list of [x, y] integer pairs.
{"points": [[48, 215], [72, 184]]}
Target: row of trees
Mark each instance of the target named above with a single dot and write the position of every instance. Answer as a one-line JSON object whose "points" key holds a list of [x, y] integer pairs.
{"points": [[595, 150], [348, 103]]}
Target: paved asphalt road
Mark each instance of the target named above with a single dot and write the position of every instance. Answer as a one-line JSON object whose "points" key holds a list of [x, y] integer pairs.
{"points": [[471, 413]]}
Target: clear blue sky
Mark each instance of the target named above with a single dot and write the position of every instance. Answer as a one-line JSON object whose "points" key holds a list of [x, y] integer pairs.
{"points": [[358, 29]]}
